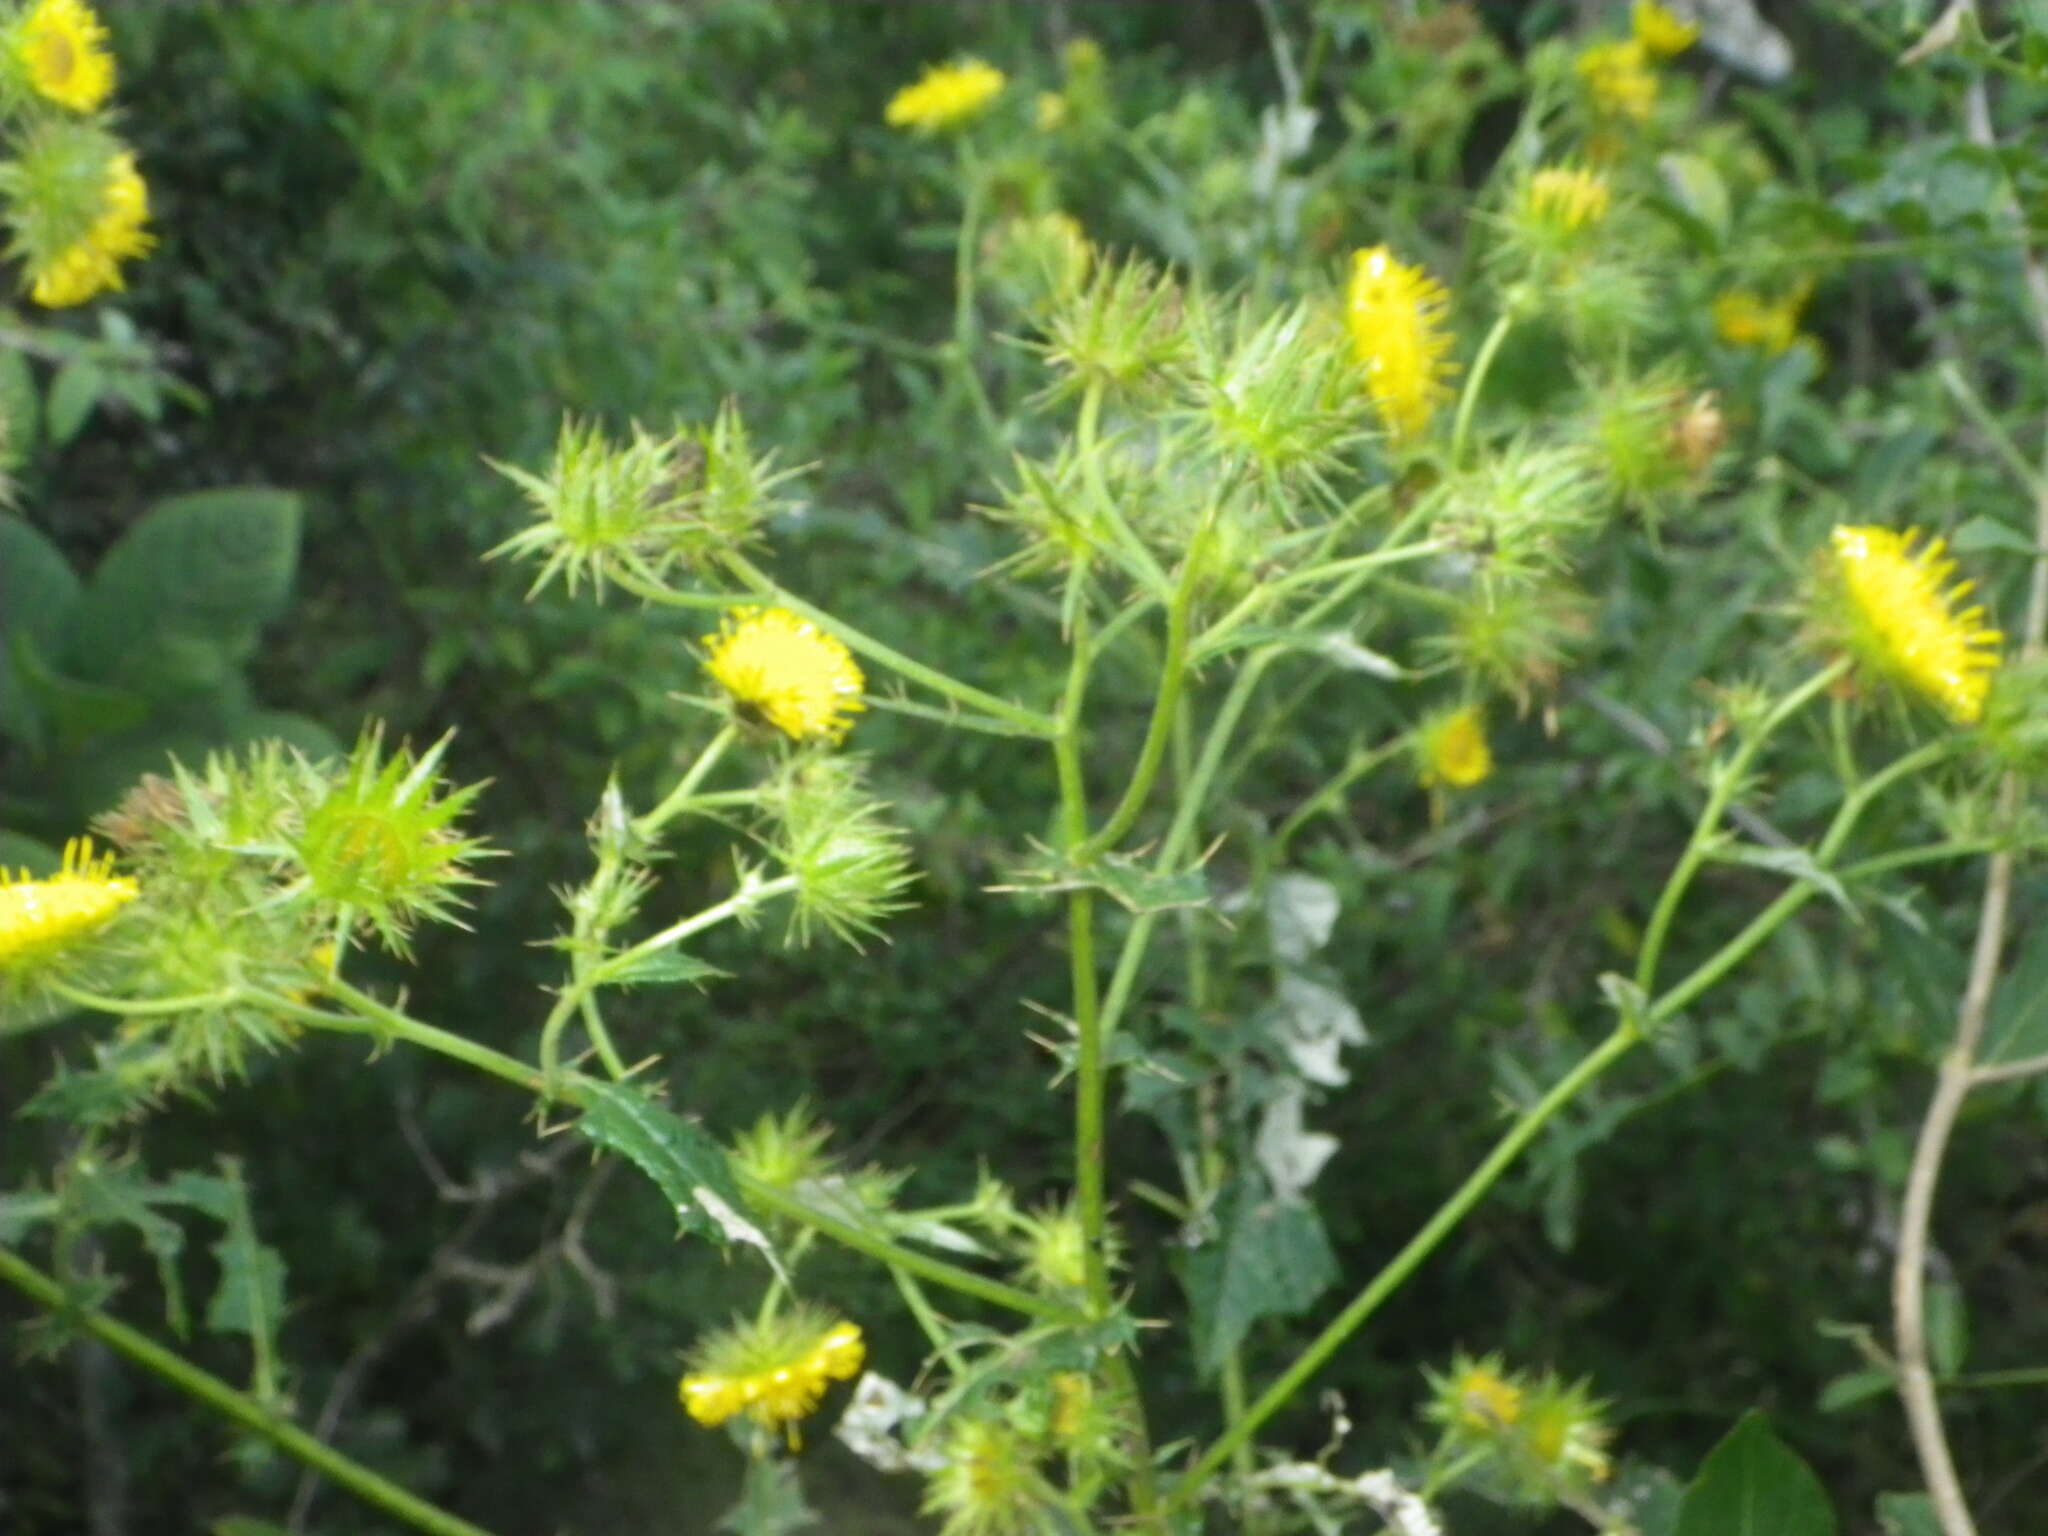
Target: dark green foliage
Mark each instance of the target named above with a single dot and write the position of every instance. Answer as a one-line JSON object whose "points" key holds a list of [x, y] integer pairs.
{"points": [[399, 237]]}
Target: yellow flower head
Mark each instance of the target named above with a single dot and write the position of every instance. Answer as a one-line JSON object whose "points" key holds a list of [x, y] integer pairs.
{"points": [[37, 916], [946, 96], [1568, 198], [1396, 317], [1901, 623], [776, 1372], [784, 671], [92, 263], [1050, 111], [1662, 34], [1486, 1399], [1619, 79], [1746, 319], [1453, 749], [62, 47]]}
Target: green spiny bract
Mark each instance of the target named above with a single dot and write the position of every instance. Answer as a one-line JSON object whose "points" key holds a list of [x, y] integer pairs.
{"points": [[56, 186], [1274, 394], [631, 511], [850, 863], [1518, 514], [383, 845], [1121, 331]]}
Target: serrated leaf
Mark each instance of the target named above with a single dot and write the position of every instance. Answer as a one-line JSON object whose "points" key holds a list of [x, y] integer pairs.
{"points": [[1753, 1484], [100, 1194], [22, 1211], [680, 1159], [1272, 1260], [249, 1300]]}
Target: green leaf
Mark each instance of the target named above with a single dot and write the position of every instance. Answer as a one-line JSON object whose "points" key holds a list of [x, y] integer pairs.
{"points": [[1697, 188], [1752, 1484], [1907, 1514], [771, 1501], [2018, 1027], [1273, 1260], [21, 404], [1855, 1387], [21, 1211], [77, 711], [1981, 533], [250, 1297], [25, 853], [73, 393], [665, 968], [686, 1165], [238, 1525], [209, 568], [101, 1193], [37, 591], [1948, 1327]]}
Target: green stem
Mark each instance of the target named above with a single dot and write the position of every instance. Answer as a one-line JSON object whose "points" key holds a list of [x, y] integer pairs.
{"points": [[927, 1318], [1475, 381], [751, 894], [972, 197], [679, 797], [588, 978], [142, 1008], [1180, 833], [1404, 1263], [1332, 793], [1029, 722], [1727, 783], [1510, 1146], [2029, 1376], [1152, 755], [232, 1404], [382, 1022], [1088, 450], [860, 1239], [1218, 635], [1089, 1086]]}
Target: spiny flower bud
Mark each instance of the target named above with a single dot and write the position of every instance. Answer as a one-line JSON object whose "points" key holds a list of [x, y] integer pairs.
{"points": [[383, 843], [850, 863], [1120, 330]]}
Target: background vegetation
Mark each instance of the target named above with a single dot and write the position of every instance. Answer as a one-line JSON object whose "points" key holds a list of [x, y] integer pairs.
{"points": [[396, 238]]}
